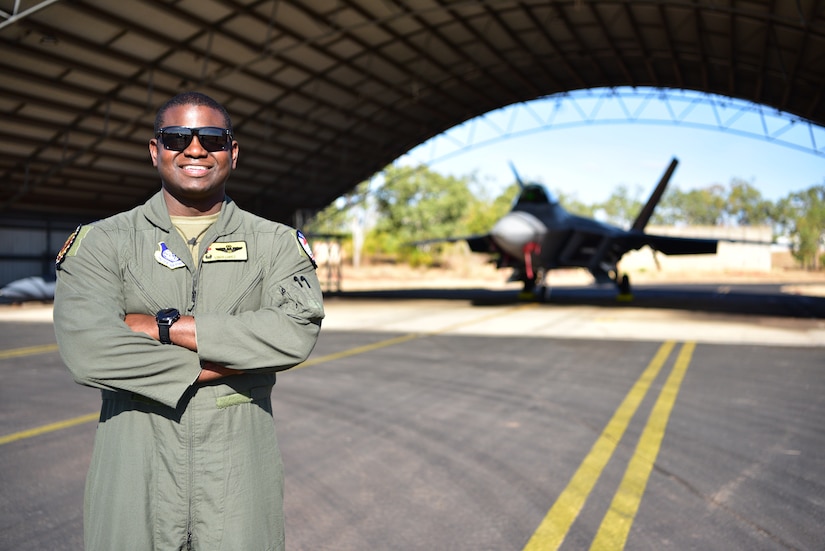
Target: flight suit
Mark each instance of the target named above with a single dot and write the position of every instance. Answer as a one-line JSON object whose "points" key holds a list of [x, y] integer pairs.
{"points": [[179, 464]]}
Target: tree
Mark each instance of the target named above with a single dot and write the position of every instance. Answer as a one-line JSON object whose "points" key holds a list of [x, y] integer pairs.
{"points": [[573, 205], [806, 215], [745, 205], [620, 208], [483, 213], [700, 207], [337, 217], [416, 204]]}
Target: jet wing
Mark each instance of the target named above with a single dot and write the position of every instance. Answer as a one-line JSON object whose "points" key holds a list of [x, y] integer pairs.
{"points": [[481, 244], [600, 252], [478, 243], [675, 245]]}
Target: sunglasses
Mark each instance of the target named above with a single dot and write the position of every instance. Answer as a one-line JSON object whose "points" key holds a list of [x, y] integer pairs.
{"points": [[211, 138]]}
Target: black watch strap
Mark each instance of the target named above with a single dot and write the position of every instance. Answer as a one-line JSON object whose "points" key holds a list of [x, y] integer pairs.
{"points": [[163, 331], [165, 318]]}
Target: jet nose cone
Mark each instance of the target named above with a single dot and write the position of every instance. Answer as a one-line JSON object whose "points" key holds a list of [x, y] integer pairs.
{"points": [[515, 230]]}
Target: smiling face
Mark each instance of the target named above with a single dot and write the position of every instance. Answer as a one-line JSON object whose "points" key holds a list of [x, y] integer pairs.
{"points": [[194, 179]]}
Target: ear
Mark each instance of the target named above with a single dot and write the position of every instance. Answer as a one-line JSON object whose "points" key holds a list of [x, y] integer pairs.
{"points": [[235, 151], [153, 151]]}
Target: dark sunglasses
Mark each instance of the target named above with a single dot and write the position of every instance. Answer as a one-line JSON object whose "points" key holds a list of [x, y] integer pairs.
{"points": [[211, 138]]}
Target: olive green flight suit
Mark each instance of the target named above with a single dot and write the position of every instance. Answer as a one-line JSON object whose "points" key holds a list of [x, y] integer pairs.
{"points": [[178, 464]]}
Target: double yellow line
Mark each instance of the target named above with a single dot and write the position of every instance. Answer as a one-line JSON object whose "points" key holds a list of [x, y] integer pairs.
{"points": [[615, 526], [612, 534]]}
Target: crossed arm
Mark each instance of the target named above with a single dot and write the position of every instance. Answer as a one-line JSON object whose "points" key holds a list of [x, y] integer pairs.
{"points": [[182, 333]]}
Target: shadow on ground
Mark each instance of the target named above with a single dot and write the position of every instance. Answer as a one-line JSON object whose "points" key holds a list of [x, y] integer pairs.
{"points": [[744, 299]]}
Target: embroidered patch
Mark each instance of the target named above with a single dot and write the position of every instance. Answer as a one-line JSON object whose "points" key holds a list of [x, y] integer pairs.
{"points": [[223, 402], [67, 249], [306, 248], [166, 257], [220, 252]]}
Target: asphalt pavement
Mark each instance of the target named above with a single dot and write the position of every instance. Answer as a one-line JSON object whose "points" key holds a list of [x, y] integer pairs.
{"points": [[431, 419]]}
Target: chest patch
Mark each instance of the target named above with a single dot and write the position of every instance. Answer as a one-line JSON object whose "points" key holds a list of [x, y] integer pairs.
{"points": [[166, 257], [226, 252]]}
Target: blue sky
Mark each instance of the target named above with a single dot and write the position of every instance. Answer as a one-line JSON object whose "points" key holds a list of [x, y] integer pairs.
{"points": [[590, 160]]}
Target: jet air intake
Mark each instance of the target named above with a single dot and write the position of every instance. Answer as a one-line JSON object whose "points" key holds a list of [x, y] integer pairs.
{"points": [[516, 230]]}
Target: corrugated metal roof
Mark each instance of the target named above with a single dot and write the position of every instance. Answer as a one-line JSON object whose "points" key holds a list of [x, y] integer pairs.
{"points": [[324, 93]]}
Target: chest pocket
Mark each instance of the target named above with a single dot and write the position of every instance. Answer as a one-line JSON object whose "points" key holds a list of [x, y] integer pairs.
{"points": [[146, 293], [229, 289]]}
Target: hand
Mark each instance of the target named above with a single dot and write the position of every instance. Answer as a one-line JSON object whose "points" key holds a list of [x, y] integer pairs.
{"points": [[211, 371], [143, 323], [182, 333]]}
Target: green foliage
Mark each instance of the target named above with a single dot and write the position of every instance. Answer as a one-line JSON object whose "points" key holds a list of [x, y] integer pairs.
{"points": [[745, 205], [485, 213], [805, 215], [620, 208], [416, 204], [571, 204], [337, 217], [700, 207]]}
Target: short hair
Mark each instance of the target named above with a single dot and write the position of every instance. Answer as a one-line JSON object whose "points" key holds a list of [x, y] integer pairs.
{"points": [[192, 98]]}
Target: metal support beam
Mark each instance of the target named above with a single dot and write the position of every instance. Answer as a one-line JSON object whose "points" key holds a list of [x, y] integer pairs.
{"points": [[16, 15]]}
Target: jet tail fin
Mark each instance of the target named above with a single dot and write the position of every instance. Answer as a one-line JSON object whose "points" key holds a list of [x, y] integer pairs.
{"points": [[647, 211], [515, 173]]}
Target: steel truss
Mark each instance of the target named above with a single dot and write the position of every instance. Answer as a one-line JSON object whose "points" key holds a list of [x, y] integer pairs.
{"points": [[652, 106]]}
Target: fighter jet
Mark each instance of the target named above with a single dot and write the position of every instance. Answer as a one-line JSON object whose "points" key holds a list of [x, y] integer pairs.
{"points": [[538, 235], [27, 289]]}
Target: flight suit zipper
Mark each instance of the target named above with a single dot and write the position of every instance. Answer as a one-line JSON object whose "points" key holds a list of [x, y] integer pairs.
{"points": [[190, 427], [190, 423], [196, 274]]}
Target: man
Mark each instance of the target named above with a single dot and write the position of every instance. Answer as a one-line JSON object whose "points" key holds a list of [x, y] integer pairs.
{"points": [[181, 311]]}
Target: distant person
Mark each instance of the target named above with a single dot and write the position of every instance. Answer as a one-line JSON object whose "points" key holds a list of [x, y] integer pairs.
{"points": [[181, 311]]}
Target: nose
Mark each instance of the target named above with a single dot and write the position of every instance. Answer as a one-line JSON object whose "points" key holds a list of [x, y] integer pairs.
{"points": [[516, 230], [195, 149]]}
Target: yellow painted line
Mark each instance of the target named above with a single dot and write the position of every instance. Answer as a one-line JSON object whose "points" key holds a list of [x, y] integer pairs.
{"points": [[358, 350], [48, 428], [409, 337], [27, 351], [312, 361], [556, 524], [612, 534]]}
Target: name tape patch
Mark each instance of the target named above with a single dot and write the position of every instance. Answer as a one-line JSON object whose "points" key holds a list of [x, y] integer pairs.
{"points": [[225, 252]]}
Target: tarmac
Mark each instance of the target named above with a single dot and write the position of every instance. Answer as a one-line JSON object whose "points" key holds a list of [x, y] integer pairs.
{"points": [[431, 418]]}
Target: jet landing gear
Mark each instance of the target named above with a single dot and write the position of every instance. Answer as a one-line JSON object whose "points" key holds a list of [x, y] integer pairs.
{"points": [[534, 289], [624, 289]]}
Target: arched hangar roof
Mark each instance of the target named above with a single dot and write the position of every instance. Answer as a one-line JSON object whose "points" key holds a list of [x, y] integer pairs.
{"points": [[324, 93]]}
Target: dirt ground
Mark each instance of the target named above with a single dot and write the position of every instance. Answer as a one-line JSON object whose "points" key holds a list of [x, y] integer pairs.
{"points": [[475, 273]]}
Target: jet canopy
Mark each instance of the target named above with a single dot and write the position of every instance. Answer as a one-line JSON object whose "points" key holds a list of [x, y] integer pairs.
{"points": [[534, 194]]}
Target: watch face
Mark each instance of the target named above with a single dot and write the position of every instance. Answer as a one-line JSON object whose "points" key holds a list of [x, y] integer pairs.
{"points": [[167, 315]]}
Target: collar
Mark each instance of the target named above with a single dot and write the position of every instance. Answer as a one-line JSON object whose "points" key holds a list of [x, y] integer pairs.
{"points": [[157, 214]]}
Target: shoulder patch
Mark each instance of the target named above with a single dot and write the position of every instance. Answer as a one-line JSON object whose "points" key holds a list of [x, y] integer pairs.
{"points": [[302, 241], [72, 244]]}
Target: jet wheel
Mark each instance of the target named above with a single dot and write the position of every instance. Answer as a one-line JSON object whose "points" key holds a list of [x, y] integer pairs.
{"points": [[624, 285]]}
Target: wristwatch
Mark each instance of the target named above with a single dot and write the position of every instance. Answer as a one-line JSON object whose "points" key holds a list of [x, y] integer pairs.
{"points": [[165, 319]]}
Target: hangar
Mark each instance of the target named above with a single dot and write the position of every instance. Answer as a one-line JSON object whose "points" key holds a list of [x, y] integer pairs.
{"points": [[324, 93]]}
